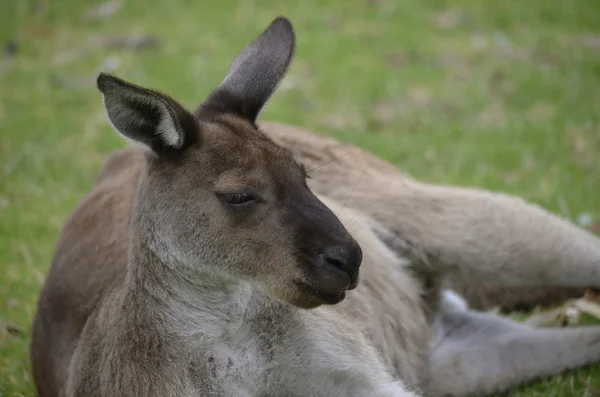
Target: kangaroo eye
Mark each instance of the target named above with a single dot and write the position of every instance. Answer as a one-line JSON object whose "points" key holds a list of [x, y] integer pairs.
{"points": [[238, 198]]}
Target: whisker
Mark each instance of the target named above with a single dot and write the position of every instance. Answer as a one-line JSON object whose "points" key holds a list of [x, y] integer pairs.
{"points": [[349, 223], [314, 161], [352, 191], [353, 220], [327, 152], [330, 161]]}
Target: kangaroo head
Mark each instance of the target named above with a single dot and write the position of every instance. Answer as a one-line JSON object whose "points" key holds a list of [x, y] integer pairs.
{"points": [[218, 197]]}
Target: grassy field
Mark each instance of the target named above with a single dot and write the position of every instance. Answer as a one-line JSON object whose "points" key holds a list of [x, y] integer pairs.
{"points": [[501, 95]]}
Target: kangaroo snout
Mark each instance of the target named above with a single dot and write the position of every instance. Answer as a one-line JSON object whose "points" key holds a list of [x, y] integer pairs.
{"points": [[346, 257]]}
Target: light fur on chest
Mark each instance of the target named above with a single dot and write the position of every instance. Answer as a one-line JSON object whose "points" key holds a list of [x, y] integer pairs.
{"points": [[259, 347]]}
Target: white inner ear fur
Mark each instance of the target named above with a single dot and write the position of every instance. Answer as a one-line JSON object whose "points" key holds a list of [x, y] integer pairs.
{"points": [[166, 129]]}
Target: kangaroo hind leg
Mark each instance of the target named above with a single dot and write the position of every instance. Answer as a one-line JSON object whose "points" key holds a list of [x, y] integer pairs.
{"points": [[479, 354]]}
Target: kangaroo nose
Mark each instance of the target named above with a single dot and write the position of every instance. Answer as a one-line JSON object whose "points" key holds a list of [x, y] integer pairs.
{"points": [[346, 257]]}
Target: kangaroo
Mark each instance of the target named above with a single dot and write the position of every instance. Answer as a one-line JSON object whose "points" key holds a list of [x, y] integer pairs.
{"points": [[432, 220], [207, 263]]}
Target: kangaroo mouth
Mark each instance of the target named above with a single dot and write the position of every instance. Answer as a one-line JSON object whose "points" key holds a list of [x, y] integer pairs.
{"points": [[329, 299], [325, 297], [353, 281]]}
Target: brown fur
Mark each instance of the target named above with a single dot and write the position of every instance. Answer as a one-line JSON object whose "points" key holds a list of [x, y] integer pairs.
{"points": [[345, 172], [113, 196], [97, 241], [204, 265]]}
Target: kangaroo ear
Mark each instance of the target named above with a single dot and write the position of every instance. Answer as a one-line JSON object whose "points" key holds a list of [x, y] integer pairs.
{"points": [[146, 116], [255, 73]]}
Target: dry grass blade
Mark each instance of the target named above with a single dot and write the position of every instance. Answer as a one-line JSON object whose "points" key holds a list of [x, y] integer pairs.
{"points": [[589, 307], [593, 390], [12, 328], [563, 316], [102, 11]]}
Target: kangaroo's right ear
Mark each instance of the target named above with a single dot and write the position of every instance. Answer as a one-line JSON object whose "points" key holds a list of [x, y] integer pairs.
{"points": [[255, 73], [146, 116]]}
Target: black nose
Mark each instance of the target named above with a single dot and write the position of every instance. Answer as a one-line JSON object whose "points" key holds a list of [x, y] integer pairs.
{"points": [[345, 257]]}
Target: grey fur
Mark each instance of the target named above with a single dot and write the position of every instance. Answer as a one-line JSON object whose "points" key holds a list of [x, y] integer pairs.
{"points": [[259, 67], [156, 290]]}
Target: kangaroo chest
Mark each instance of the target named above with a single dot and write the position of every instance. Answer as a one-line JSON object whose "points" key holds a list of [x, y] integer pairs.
{"points": [[279, 353]]}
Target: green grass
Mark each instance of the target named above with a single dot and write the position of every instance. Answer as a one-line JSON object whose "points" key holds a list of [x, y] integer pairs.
{"points": [[502, 95]]}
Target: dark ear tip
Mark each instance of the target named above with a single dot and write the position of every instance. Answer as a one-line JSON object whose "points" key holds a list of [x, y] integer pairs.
{"points": [[105, 81], [282, 20], [102, 81], [283, 23]]}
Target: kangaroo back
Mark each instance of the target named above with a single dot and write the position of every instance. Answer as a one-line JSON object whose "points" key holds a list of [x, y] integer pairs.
{"points": [[428, 219], [98, 226]]}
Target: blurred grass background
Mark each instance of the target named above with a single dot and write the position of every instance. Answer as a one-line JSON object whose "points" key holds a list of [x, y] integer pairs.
{"points": [[501, 95]]}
